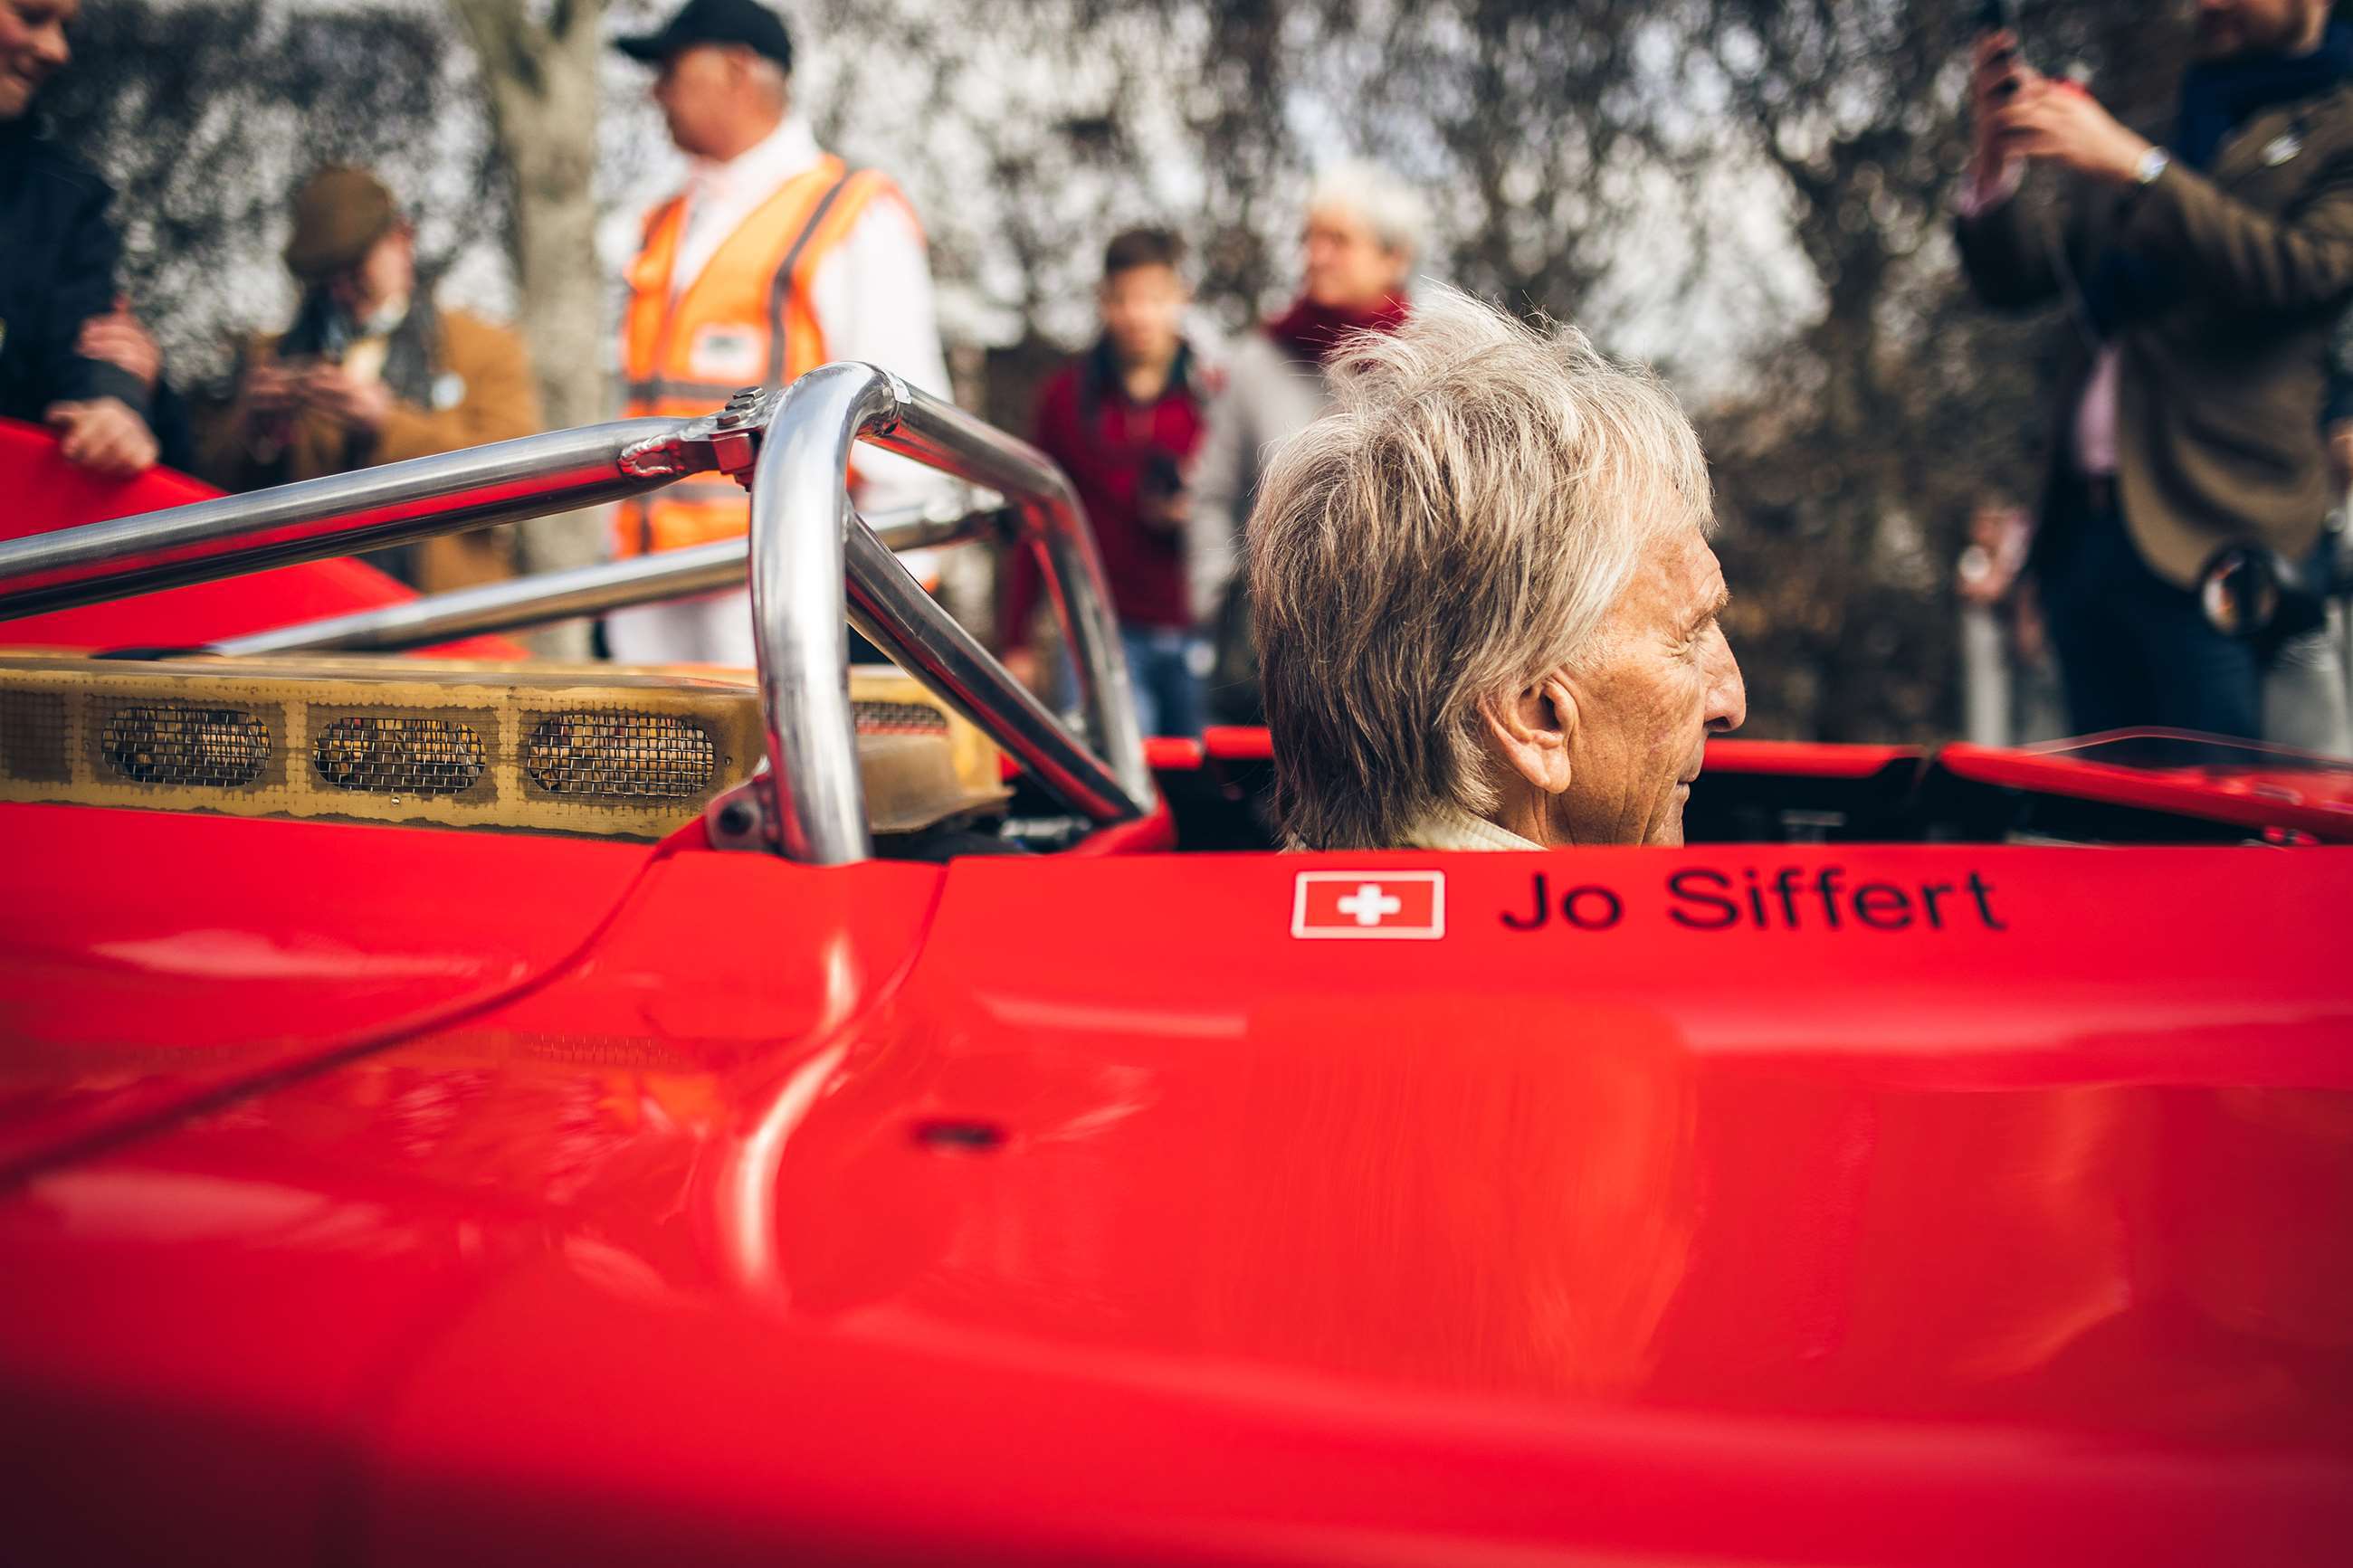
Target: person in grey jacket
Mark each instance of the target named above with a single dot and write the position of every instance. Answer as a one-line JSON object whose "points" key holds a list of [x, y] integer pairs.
{"points": [[1364, 230]]}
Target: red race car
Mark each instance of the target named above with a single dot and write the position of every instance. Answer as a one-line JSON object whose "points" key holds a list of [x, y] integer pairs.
{"points": [[463, 1110]]}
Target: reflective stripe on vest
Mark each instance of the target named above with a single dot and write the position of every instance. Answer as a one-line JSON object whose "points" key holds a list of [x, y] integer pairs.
{"points": [[745, 320], [660, 390]]}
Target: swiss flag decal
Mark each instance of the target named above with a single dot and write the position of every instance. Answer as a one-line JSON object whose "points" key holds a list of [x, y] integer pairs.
{"points": [[1408, 905]]}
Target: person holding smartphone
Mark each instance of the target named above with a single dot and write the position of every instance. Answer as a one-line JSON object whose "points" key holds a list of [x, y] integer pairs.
{"points": [[370, 371], [2199, 279]]}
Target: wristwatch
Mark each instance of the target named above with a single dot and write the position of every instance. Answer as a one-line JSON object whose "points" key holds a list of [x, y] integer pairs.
{"points": [[2152, 163]]}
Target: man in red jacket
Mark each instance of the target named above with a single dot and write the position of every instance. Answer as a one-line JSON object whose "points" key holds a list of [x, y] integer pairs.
{"points": [[1123, 420]]}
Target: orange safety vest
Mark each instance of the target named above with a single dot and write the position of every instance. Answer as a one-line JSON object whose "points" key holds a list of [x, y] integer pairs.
{"points": [[746, 319]]}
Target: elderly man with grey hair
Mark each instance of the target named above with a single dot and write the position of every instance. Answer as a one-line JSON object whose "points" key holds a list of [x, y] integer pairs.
{"points": [[1484, 598], [1364, 230]]}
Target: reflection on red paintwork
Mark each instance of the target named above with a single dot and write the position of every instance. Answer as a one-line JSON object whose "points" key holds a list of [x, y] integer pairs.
{"points": [[1015, 1209]]}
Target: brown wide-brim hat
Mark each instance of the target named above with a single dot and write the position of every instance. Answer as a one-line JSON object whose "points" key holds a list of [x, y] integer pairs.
{"points": [[339, 214]]}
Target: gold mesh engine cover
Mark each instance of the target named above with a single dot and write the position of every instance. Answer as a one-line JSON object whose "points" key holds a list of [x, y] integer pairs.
{"points": [[585, 748]]}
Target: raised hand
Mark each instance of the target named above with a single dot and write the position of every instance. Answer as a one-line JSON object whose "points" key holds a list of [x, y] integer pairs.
{"points": [[2058, 122]]}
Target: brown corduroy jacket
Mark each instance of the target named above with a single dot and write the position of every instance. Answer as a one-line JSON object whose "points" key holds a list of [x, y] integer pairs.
{"points": [[2219, 395], [483, 392]]}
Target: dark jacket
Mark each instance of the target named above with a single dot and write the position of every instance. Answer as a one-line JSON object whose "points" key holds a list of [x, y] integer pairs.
{"points": [[57, 256], [2219, 395], [1112, 448]]}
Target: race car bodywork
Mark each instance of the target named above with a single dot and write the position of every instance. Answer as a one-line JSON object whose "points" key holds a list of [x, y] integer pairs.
{"points": [[46, 493], [1943, 1158]]}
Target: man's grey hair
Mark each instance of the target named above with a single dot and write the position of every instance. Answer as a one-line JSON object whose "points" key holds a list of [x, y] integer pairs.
{"points": [[1392, 209], [1456, 529]]}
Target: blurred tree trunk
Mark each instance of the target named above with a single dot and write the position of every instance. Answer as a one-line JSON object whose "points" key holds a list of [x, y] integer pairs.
{"points": [[540, 78]]}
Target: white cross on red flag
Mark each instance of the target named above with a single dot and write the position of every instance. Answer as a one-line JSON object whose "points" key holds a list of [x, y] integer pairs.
{"points": [[1392, 904]]}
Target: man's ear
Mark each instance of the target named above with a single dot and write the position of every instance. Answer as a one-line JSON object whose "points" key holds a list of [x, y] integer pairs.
{"points": [[1532, 728]]}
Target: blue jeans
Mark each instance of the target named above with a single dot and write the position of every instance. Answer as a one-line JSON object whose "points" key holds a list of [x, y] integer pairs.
{"points": [[2134, 650], [1165, 667]]}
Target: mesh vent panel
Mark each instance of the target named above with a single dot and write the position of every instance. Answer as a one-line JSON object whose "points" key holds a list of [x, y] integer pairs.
{"points": [[33, 735], [582, 750], [899, 719], [179, 744], [620, 756], [399, 755]]}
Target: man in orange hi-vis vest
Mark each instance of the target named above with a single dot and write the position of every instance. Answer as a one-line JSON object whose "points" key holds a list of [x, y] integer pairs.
{"points": [[775, 258]]}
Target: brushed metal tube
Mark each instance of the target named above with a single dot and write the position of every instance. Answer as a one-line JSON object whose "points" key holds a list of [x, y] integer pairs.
{"points": [[509, 605], [336, 515], [891, 608], [806, 540], [522, 603], [943, 436], [801, 518]]}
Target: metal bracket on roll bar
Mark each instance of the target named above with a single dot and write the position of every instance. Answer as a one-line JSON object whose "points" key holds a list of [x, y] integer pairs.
{"points": [[744, 816], [728, 441]]}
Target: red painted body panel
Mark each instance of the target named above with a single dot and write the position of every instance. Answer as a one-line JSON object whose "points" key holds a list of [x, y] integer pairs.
{"points": [[46, 493], [1806, 758], [1172, 753], [151, 960], [1069, 1209], [2318, 801], [405, 1197], [1235, 743]]}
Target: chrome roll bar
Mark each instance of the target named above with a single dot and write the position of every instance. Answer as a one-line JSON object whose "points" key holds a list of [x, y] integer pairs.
{"points": [[337, 515], [806, 538], [509, 605], [807, 551], [519, 603]]}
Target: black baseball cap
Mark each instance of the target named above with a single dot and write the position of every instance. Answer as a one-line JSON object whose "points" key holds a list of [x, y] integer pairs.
{"points": [[744, 22]]}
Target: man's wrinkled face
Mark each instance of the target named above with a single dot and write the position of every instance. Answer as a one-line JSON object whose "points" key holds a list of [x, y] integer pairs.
{"points": [[1143, 314], [33, 48], [1348, 267], [1662, 679], [2228, 28]]}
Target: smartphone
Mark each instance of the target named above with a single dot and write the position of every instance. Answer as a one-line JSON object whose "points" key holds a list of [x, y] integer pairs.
{"points": [[1994, 16]]}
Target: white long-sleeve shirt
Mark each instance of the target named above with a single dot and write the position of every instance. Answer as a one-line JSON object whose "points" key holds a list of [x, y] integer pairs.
{"points": [[872, 294]]}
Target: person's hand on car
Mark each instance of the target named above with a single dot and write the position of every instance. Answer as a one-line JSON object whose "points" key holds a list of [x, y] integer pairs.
{"points": [[103, 436]]}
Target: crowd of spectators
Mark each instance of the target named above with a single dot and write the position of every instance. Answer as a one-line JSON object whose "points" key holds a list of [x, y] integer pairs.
{"points": [[2200, 275], [2201, 278]]}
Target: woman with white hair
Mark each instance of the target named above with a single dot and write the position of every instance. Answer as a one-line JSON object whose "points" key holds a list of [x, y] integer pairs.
{"points": [[1364, 231], [1485, 603]]}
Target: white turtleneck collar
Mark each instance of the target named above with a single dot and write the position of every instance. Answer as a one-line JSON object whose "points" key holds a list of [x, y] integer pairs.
{"points": [[1452, 827]]}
